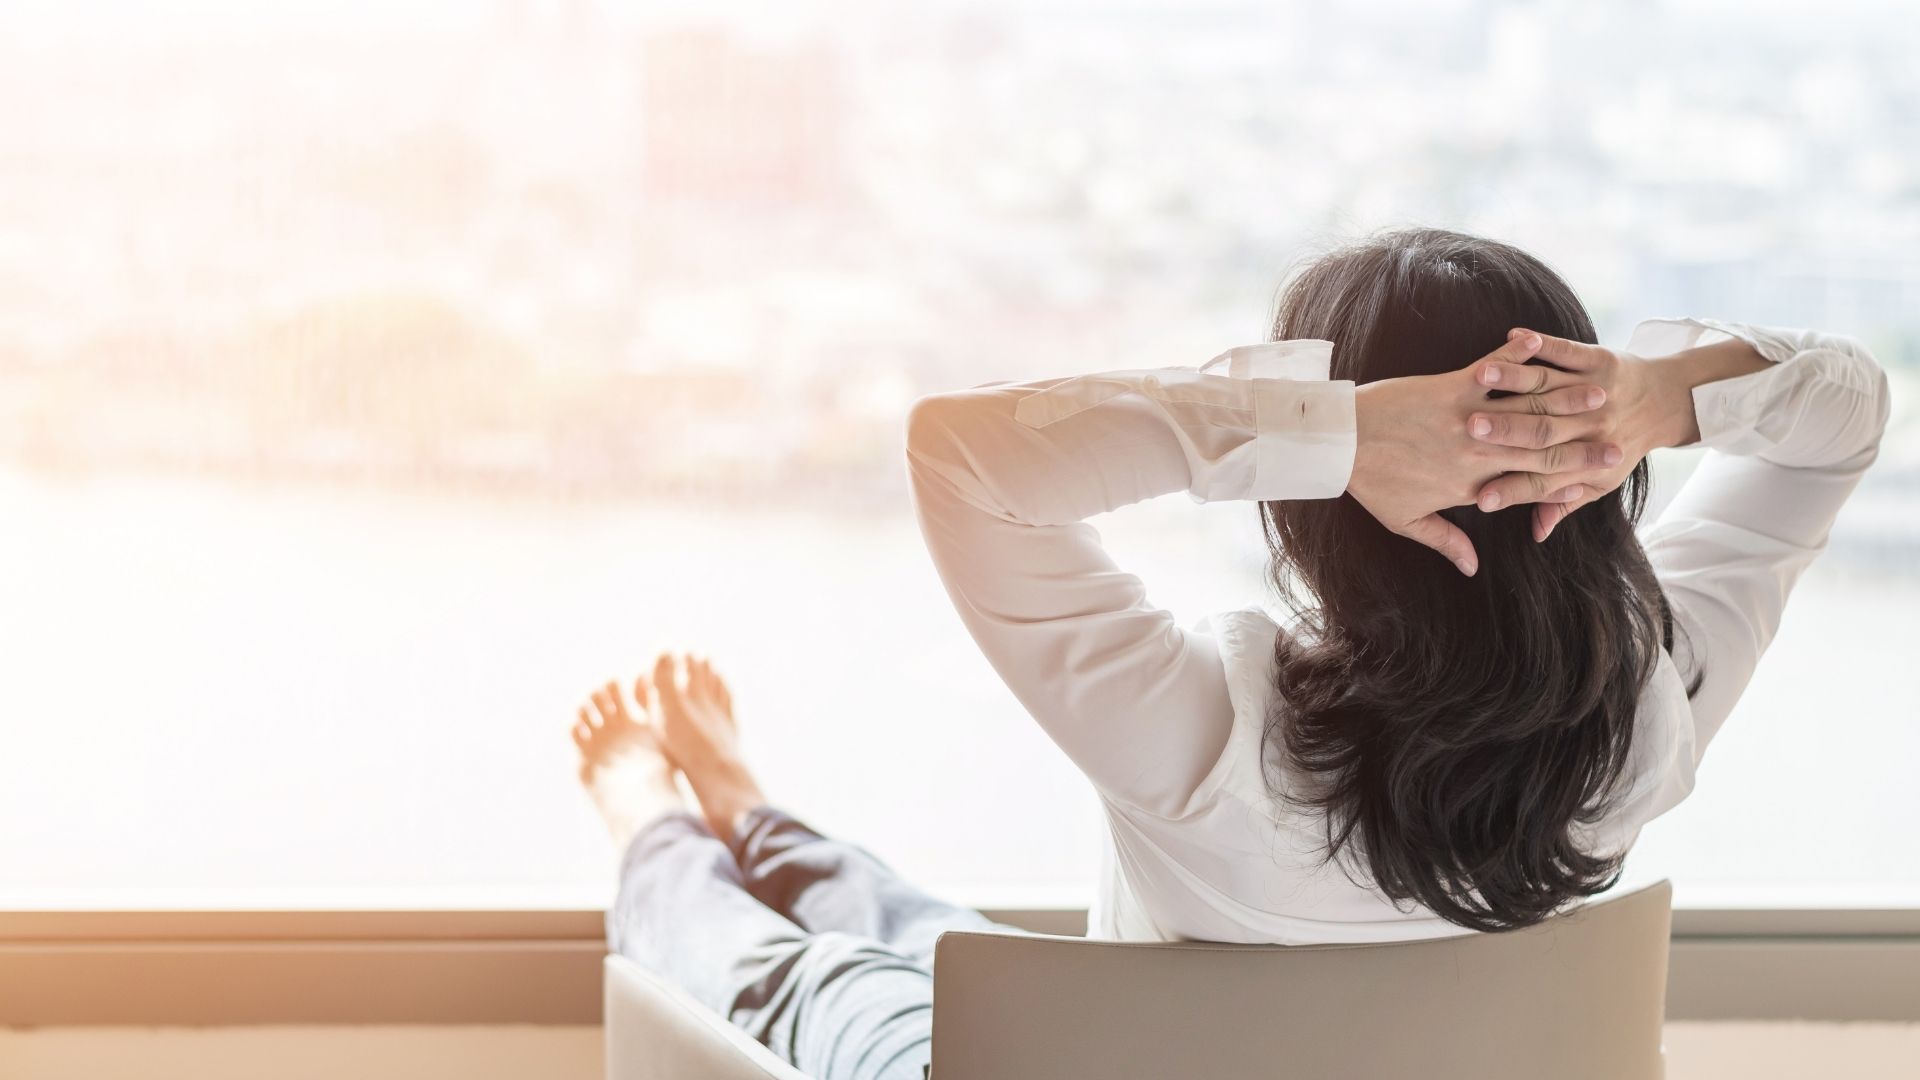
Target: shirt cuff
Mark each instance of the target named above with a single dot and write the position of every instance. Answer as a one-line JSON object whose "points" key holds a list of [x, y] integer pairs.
{"points": [[1730, 412], [1659, 337], [1304, 439]]}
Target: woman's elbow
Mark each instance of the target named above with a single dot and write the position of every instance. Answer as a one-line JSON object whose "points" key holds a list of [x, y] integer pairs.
{"points": [[1852, 367], [1875, 386], [937, 424], [926, 422]]}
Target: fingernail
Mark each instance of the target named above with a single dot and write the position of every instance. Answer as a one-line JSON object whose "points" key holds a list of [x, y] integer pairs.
{"points": [[1490, 374], [1613, 455], [1466, 566], [1595, 396], [1533, 341], [1482, 426], [1490, 501]]}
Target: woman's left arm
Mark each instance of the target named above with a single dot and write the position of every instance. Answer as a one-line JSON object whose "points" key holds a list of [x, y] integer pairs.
{"points": [[1004, 475]]}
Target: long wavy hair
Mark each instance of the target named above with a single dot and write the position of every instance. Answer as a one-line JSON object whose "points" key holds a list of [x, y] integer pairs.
{"points": [[1452, 730]]}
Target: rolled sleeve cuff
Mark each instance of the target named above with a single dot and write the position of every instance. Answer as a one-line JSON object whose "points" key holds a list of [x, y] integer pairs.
{"points": [[1729, 411], [1659, 337]]}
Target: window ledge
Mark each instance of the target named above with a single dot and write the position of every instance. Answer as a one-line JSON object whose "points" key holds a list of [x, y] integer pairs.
{"points": [[542, 965]]}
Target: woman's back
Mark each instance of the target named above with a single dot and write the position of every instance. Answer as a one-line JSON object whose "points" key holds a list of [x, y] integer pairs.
{"points": [[1221, 828]]}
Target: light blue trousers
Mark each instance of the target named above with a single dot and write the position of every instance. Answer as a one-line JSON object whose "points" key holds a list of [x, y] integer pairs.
{"points": [[812, 945]]}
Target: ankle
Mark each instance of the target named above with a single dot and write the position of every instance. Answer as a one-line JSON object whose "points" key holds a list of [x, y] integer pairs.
{"points": [[728, 801]]}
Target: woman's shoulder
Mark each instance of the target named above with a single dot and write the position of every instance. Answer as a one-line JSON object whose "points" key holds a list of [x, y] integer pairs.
{"points": [[1248, 627], [1245, 639]]}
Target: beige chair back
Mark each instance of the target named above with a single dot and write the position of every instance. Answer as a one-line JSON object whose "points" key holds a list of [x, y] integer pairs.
{"points": [[1580, 995]]}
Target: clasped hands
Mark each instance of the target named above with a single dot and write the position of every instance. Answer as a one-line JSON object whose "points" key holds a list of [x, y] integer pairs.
{"points": [[1559, 438]]}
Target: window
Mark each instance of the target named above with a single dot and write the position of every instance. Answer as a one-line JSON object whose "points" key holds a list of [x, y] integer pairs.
{"points": [[375, 378]]}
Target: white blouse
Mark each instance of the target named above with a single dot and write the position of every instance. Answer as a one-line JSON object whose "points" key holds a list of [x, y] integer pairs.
{"points": [[1166, 722]]}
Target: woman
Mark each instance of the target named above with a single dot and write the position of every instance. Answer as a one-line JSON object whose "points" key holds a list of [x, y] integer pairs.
{"points": [[1488, 686]]}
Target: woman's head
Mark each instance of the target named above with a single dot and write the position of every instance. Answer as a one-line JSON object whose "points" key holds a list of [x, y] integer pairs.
{"points": [[1454, 730]]}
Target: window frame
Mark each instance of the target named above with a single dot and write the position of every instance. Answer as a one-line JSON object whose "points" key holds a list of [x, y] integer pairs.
{"points": [[542, 966]]}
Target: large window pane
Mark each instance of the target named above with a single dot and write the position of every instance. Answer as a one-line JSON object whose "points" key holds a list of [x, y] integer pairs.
{"points": [[375, 378]]}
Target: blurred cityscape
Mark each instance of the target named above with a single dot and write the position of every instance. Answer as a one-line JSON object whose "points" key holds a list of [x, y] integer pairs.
{"points": [[374, 378], [572, 249]]}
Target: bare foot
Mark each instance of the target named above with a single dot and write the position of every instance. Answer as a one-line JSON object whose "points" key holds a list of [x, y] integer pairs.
{"points": [[696, 724], [623, 765]]}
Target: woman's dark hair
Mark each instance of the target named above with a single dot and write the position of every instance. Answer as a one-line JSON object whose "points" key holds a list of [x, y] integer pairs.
{"points": [[1455, 730]]}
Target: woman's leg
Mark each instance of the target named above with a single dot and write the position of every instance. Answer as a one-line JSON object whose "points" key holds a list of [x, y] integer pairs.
{"points": [[825, 884], [820, 884], [840, 1007]]}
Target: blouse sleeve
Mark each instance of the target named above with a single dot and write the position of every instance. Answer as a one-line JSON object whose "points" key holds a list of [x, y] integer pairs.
{"points": [[1003, 477], [1787, 445]]}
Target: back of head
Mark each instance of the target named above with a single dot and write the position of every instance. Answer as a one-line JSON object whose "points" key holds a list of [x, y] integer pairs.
{"points": [[1455, 730]]}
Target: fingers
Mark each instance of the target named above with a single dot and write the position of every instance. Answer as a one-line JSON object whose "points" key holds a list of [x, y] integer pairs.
{"points": [[1572, 355], [1532, 431], [1536, 431], [1446, 538], [1570, 400], [1569, 472], [1519, 348], [1565, 473], [1493, 374], [1572, 456], [1491, 368], [1516, 488], [583, 729], [1547, 515]]}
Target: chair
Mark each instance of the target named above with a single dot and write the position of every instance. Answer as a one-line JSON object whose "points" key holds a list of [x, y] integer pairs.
{"points": [[1581, 995]]}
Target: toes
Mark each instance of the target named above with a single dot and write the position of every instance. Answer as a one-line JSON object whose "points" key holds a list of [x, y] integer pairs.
{"points": [[700, 677], [704, 684], [717, 690], [689, 677], [663, 680], [708, 676], [606, 701]]}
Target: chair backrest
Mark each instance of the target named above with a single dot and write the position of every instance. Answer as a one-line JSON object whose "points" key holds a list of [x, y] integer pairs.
{"points": [[655, 1031], [1580, 995]]}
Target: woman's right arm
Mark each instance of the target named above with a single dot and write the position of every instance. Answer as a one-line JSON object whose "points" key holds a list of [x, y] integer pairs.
{"points": [[1790, 435], [1792, 417]]}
